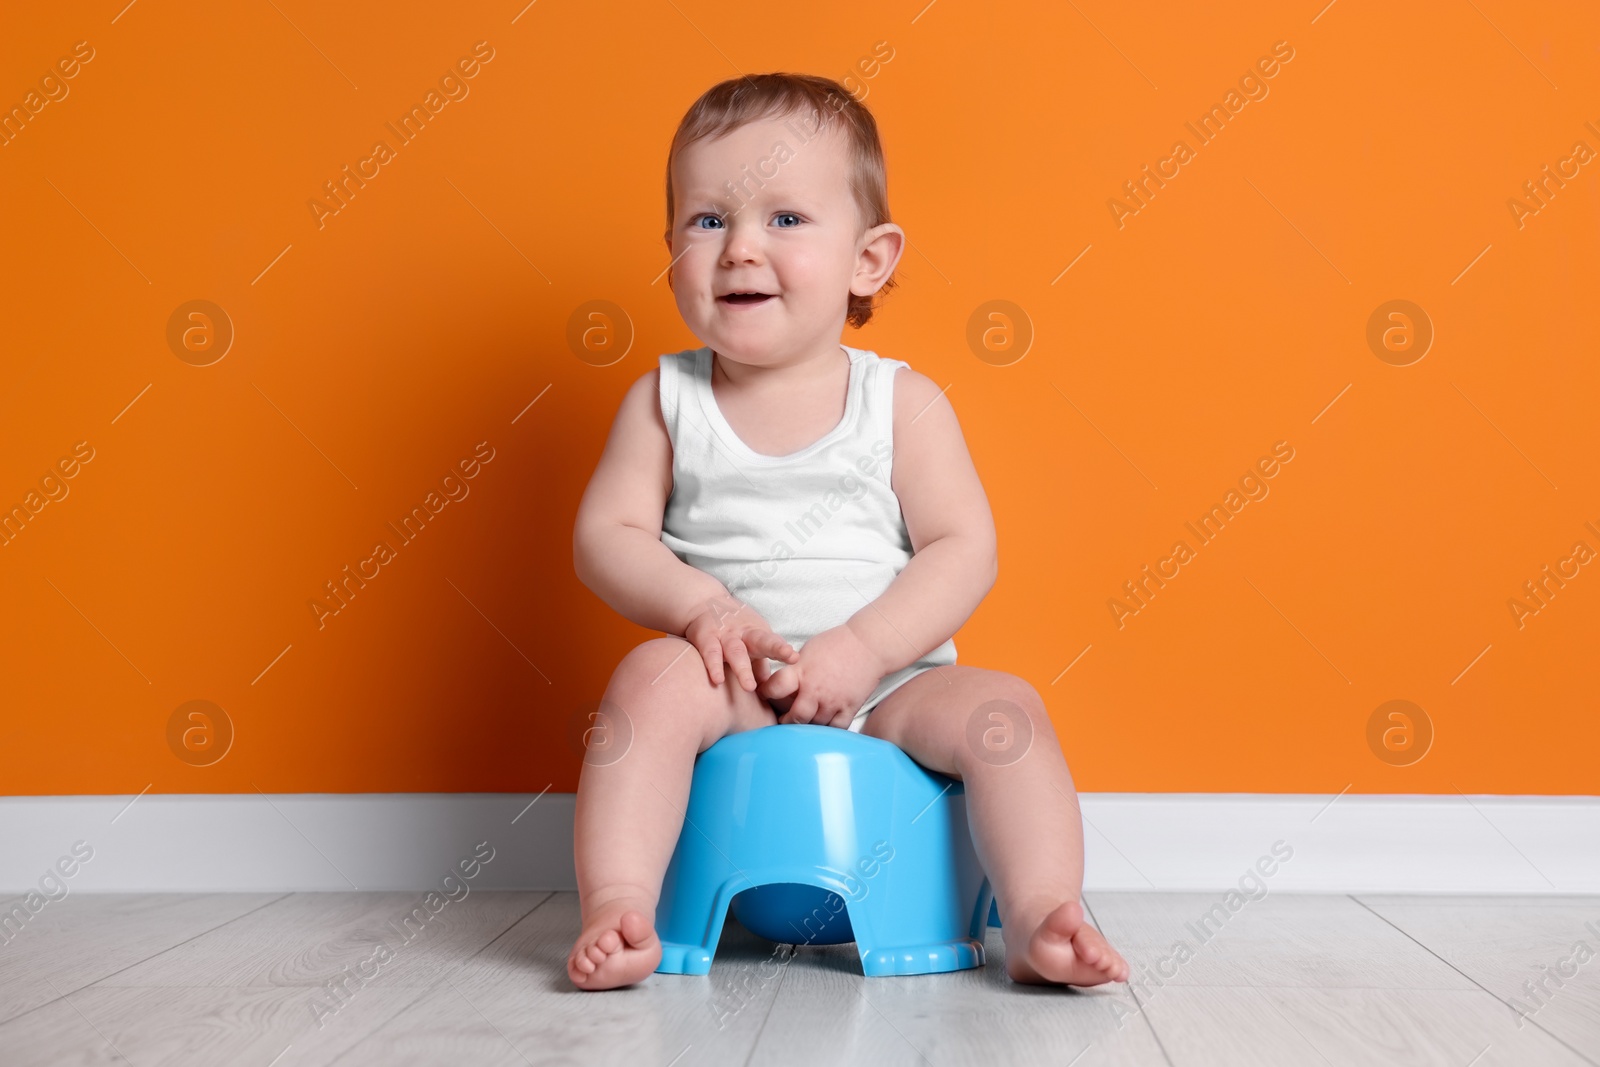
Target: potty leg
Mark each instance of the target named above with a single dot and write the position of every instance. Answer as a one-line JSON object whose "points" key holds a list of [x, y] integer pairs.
{"points": [[879, 960], [690, 926], [933, 957]]}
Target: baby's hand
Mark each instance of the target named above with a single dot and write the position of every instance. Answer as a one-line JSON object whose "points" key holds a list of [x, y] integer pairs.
{"points": [[835, 674], [729, 629]]}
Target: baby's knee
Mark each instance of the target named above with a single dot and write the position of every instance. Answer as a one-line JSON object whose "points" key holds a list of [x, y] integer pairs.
{"points": [[1005, 718], [663, 688], [661, 664], [1023, 702]]}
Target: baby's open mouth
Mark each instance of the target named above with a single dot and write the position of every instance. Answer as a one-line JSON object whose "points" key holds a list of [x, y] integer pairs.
{"points": [[745, 298]]}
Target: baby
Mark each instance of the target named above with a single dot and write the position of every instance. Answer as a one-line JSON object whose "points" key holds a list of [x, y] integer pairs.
{"points": [[805, 521]]}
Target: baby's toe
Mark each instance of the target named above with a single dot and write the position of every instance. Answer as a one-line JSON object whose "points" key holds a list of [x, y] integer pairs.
{"points": [[1113, 965], [635, 929]]}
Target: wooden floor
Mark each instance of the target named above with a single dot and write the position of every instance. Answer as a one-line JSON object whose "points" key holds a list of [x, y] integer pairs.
{"points": [[230, 979]]}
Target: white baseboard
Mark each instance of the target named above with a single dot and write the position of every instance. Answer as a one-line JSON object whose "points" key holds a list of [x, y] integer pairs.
{"points": [[1168, 841]]}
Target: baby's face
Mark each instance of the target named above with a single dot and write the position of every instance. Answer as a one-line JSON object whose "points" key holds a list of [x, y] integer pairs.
{"points": [[788, 228]]}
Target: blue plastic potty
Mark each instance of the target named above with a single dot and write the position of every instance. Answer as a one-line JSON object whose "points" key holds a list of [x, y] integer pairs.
{"points": [[818, 836]]}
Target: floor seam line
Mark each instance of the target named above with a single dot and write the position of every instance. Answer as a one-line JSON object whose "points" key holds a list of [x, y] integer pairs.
{"points": [[146, 959], [363, 1039], [1487, 991], [1161, 1046], [776, 993]]}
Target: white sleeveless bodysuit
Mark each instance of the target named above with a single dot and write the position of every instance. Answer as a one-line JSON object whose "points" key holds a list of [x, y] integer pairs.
{"points": [[806, 539]]}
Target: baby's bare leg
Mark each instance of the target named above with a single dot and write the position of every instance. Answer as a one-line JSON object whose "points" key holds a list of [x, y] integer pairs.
{"points": [[1022, 809], [632, 794]]}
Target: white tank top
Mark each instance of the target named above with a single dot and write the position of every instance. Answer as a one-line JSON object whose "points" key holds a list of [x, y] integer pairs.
{"points": [[806, 539]]}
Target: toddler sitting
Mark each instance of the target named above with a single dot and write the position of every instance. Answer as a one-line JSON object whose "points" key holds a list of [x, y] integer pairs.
{"points": [[805, 522]]}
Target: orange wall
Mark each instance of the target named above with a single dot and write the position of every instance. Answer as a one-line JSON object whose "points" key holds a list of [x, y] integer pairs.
{"points": [[375, 348]]}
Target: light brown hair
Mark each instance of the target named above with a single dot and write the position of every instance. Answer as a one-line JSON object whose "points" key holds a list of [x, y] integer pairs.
{"points": [[824, 103]]}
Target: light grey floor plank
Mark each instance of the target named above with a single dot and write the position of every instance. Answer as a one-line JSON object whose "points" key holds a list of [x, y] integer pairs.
{"points": [[1474, 900], [308, 939], [827, 1012], [73, 942], [1239, 1026], [197, 1021], [1290, 978], [1282, 939], [1503, 943], [513, 1004], [202, 1026]]}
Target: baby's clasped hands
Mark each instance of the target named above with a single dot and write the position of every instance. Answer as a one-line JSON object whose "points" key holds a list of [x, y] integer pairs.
{"points": [[835, 674]]}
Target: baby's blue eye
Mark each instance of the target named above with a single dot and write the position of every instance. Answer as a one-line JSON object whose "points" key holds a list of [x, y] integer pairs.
{"points": [[696, 222]]}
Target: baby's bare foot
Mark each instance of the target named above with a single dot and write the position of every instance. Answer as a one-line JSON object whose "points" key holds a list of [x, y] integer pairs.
{"points": [[1065, 949], [618, 947]]}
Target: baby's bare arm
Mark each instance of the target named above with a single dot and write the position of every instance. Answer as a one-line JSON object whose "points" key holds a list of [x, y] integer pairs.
{"points": [[616, 541], [955, 560]]}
